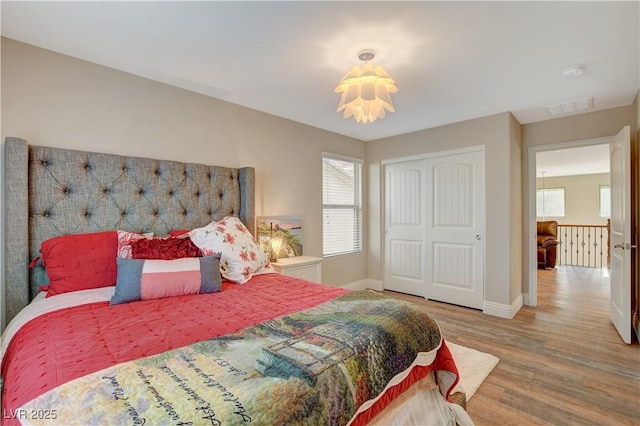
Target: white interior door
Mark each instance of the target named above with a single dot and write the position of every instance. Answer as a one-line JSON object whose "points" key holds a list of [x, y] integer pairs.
{"points": [[404, 252], [455, 229], [434, 227], [620, 233]]}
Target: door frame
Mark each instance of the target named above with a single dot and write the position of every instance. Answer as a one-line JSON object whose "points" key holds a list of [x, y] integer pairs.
{"points": [[531, 295]]}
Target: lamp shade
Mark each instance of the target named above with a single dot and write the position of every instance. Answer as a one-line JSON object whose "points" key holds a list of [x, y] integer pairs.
{"points": [[366, 93], [275, 245]]}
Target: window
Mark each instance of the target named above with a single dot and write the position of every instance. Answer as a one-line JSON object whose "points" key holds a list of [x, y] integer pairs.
{"points": [[605, 201], [341, 205], [550, 202]]}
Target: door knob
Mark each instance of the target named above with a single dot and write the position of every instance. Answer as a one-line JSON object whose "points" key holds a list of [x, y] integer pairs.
{"points": [[625, 246], [478, 236]]}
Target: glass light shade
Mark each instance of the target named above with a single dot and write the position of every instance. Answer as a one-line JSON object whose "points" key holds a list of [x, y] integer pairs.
{"points": [[366, 93], [275, 245]]}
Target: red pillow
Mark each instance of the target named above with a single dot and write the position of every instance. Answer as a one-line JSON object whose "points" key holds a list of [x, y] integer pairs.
{"points": [[124, 242], [80, 261], [164, 248], [178, 232]]}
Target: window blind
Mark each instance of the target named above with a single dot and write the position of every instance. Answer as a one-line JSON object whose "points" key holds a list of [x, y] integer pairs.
{"points": [[341, 205], [550, 202]]}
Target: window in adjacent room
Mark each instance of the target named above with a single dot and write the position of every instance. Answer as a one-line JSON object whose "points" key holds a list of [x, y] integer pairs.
{"points": [[341, 205], [550, 202], [605, 201]]}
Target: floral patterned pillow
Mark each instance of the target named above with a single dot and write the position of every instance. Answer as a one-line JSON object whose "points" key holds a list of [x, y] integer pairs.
{"points": [[240, 255]]}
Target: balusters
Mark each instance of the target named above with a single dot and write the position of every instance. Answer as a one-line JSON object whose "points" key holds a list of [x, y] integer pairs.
{"points": [[583, 245]]}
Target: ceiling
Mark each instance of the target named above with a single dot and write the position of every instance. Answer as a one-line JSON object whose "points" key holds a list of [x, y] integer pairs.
{"points": [[452, 61], [584, 160]]}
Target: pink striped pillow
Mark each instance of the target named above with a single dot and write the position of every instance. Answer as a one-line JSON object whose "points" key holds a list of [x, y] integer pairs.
{"points": [[143, 279]]}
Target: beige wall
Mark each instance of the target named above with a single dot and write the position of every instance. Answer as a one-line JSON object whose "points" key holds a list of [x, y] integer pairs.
{"points": [[578, 127], [597, 124], [516, 214], [2, 237], [55, 100], [499, 134], [582, 197], [582, 207], [506, 275], [635, 309]]}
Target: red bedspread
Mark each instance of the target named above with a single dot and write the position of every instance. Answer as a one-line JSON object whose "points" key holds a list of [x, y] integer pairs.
{"points": [[69, 343]]}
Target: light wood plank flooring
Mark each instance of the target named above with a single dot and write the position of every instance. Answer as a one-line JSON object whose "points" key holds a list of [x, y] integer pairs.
{"points": [[561, 363]]}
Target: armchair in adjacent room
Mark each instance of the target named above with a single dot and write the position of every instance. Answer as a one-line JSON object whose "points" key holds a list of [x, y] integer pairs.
{"points": [[547, 243]]}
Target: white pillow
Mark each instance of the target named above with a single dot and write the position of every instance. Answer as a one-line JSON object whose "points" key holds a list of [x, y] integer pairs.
{"points": [[240, 255]]}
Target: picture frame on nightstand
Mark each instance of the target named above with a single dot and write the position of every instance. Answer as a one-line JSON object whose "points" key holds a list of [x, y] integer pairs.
{"points": [[288, 231]]}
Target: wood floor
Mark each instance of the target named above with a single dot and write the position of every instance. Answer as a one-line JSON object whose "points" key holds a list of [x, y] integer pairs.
{"points": [[561, 363]]}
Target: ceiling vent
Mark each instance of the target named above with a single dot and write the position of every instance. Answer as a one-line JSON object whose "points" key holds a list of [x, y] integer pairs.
{"points": [[570, 107]]}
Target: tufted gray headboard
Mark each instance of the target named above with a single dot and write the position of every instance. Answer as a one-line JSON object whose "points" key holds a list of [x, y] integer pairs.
{"points": [[53, 191]]}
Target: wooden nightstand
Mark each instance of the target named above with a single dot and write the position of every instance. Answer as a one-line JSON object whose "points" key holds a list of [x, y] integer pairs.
{"points": [[305, 267]]}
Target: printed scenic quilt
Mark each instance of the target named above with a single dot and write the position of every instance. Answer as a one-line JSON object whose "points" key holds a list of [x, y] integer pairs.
{"points": [[312, 367]]}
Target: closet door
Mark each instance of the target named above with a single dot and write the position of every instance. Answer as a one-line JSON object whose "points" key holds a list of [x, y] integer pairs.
{"points": [[434, 227], [455, 229], [404, 242]]}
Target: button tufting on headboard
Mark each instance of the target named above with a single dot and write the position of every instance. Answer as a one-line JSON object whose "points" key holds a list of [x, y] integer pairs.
{"points": [[107, 191]]}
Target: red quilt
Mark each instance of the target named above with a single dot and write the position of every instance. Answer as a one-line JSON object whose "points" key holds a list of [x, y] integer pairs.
{"points": [[69, 343]]}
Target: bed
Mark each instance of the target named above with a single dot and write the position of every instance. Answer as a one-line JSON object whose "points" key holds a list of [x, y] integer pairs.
{"points": [[135, 294]]}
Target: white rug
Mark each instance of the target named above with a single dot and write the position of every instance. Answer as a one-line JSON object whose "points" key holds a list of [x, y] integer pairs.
{"points": [[474, 366]]}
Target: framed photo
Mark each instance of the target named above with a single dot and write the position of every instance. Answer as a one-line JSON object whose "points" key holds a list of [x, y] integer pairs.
{"points": [[288, 231]]}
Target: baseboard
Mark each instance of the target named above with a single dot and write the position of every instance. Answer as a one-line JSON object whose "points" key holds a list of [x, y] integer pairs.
{"points": [[366, 283], [489, 308], [501, 310]]}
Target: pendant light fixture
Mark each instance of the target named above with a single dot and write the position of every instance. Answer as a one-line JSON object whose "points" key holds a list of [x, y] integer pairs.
{"points": [[366, 92]]}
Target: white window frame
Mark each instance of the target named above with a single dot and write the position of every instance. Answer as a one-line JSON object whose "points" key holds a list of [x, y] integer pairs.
{"points": [[352, 243], [608, 202]]}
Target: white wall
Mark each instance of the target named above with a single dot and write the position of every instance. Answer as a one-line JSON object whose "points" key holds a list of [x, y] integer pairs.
{"points": [[56, 100]]}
